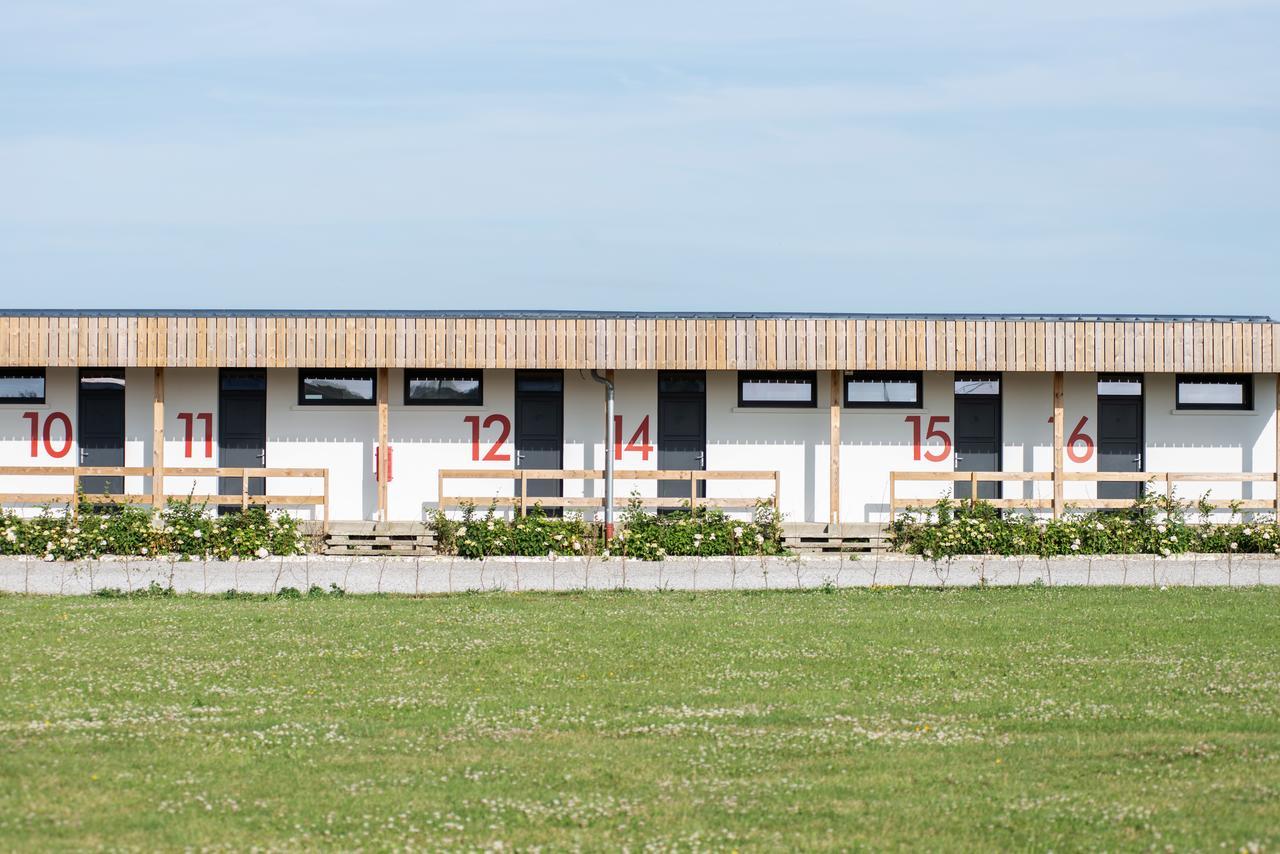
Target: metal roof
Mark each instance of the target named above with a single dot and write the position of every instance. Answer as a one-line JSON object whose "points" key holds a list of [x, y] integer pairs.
{"points": [[598, 315]]}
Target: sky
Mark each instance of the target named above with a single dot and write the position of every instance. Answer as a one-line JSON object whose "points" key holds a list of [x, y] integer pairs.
{"points": [[1096, 156]]}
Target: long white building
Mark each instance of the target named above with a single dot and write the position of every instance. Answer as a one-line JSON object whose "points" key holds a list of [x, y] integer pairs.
{"points": [[371, 415]]}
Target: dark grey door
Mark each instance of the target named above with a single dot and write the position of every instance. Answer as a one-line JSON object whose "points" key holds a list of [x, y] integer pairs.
{"points": [[539, 429], [101, 427], [682, 429], [242, 429], [977, 441], [1120, 443]]}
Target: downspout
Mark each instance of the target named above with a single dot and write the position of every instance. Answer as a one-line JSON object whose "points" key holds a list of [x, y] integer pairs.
{"points": [[608, 452]]}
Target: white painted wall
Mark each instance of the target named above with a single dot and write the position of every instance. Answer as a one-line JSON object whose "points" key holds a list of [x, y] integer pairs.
{"points": [[425, 439]]}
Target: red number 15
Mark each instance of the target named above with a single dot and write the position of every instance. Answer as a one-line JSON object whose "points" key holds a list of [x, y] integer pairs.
{"points": [[933, 433]]}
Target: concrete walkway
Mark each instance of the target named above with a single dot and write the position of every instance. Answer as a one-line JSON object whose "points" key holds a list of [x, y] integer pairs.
{"points": [[456, 575]]}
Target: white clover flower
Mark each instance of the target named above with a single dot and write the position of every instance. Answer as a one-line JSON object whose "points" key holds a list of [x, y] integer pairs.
{"points": [[262, 552], [48, 557], [462, 532], [490, 526], [577, 546], [197, 533], [1160, 528], [1235, 546], [712, 538], [1075, 547], [759, 538], [143, 550], [737, 530]]}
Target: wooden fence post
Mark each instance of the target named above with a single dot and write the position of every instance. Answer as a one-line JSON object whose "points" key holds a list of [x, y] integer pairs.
{"points": [[1058, 418], [157, 444]]}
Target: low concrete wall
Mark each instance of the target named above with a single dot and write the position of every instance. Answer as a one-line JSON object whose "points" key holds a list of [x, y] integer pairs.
{"points": [[456, 575]]}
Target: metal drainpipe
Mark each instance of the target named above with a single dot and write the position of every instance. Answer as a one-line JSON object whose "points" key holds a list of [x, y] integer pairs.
{"points": [[608, 453]]}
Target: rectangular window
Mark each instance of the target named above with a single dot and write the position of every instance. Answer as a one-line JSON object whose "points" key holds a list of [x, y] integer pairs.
{"points": [[1119, 385], [682, 382], [22, 386], [97, 379], [884, 390], [1215, 391], [987, 385], [337, 388], [444, 388], [540, 382], [234, 379], [778, 388]]}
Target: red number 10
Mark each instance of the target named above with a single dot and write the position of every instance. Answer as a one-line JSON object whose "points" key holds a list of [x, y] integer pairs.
{"points": [[933, 433], [47, 433]]}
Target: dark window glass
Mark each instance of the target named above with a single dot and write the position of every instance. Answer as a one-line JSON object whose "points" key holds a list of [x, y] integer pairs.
{"points": [[884, 390], [93, 379], [233, 380], [984, 384], [778, 388], [549, 382], [443, 388], [24, 386], [682, 382], [1215, 391], [337, 388], [1120, 385]]}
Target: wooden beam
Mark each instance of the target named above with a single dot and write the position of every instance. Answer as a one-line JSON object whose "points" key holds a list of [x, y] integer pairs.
{"points": [[1058, 418], [836, 402], [384, 455], [157, 442]]}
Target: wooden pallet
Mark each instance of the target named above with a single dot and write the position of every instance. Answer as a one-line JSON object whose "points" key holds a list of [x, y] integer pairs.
{"points": [[820, 538], [371, 539]]}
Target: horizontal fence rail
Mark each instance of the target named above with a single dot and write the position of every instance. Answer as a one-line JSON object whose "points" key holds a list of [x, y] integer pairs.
{"points": [[1166, 479], [521, 478], [243, 498]]}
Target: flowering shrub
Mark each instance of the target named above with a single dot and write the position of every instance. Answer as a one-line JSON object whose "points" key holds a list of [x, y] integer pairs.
{"points": [[698, 532], [183, 528], [1155, 525], [642, 535], [535, 534]]}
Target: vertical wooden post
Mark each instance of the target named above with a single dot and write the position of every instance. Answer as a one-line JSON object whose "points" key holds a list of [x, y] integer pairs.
{"points": [[693, 490], [893, 495], [523, 486], [973, 488], [383, 457], [325, 530], [777, 491], [835, 446], [157, 443], [1058, 418], [244, 489]]}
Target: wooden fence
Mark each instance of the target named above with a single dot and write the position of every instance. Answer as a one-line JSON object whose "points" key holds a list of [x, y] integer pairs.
{"points": [[521, 477], [1167, 480], [243, 498]]}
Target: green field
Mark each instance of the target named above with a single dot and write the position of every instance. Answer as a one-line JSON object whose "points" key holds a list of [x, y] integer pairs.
{"points": [[1016, 718]]}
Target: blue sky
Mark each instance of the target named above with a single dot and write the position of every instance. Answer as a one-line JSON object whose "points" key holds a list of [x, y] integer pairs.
{"points": [[1093, 156]]}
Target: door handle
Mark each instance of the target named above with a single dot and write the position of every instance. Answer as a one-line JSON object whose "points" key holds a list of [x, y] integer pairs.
{"points": [[83, 453], [702, 458], [519, 457], [262, 456]]}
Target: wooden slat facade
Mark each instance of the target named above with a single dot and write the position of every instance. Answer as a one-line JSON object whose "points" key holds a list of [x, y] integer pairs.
{"points": [[639, 342]]}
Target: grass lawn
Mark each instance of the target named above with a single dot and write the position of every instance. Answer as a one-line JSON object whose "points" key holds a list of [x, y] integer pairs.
{"points": [[1016, 718]]}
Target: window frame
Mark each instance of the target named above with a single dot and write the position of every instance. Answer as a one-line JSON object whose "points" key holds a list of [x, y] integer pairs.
{"points": [[412, 374], [1245, 381], [1121, 377], [27, 373], [978, 377], [915, 376], [811, 377], [337, 373]]}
